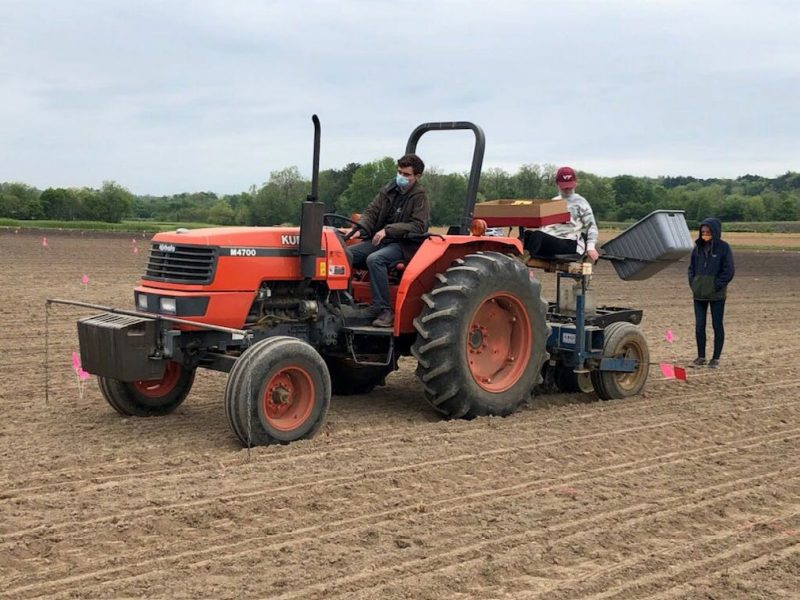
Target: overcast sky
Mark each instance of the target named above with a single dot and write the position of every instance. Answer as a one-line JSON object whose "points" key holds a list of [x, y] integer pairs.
{"points": [[171, 96]]}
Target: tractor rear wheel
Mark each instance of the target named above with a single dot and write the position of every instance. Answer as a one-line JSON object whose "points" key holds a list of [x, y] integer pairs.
{"points": [[149, 398], [278, 391], [348, 378], [623, 340], [481, 337]]}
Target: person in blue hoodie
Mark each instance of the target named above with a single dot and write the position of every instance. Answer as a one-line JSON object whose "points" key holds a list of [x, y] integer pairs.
{"points": [[710, 271]]}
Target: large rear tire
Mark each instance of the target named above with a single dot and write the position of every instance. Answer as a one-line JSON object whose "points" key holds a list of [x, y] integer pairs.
{"points": [[278, 391], [150, 398], [623, 340], [481, 337], [348, 378]]}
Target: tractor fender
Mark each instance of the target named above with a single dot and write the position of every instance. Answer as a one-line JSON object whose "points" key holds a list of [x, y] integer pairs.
{"points": [[434, 256]]}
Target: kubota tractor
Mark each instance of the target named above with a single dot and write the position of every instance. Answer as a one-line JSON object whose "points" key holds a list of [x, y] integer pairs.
{"points": [[278, 308]]}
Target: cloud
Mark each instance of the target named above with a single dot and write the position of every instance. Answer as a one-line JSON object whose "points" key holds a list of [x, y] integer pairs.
{"points": [[167, 97]]}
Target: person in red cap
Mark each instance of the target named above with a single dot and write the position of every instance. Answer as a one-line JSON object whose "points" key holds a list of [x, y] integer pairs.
{"points": [[578, 236]]}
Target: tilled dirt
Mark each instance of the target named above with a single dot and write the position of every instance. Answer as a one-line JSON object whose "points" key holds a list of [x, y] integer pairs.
{"points": [[691, 490]]}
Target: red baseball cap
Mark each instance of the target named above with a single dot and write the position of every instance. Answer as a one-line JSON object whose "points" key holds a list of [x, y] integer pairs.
{"points": [[566, 178]]}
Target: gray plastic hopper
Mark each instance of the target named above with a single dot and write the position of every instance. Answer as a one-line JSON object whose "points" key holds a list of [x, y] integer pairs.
{"points": [[649, 245]]}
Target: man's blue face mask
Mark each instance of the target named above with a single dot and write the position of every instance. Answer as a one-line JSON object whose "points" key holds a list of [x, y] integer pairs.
{"points": [[401, 180]]}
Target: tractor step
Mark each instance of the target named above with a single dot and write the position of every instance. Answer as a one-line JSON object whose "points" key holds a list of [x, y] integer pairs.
{"points": [[369, 330], [370, 336]]}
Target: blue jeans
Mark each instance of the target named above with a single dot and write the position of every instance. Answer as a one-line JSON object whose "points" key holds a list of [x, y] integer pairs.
{"points": [[377, 260], [717, 314]]}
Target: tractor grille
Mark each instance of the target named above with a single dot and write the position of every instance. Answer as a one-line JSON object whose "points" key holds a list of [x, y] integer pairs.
{"points": [[181, 264]]}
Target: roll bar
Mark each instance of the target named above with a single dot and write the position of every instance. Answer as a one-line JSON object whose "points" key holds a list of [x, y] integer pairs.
{"points": [[475, 169]]}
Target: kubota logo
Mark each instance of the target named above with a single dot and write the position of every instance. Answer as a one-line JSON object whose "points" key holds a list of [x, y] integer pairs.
{"points": [[166, 247], [290, 240]]}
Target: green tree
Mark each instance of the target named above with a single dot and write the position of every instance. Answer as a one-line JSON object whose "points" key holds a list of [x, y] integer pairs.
{"points": [[529, 182], [109, 204], [222, 214], [600, 194], [754, 208], [20, 201], [447, 194], [333, 183], [60, 203], [496, 183], [278, 201], [367, 180], [781, 207]]}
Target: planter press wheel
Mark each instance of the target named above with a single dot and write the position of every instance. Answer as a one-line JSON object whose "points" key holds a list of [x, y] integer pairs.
{"points": [[623, 340]]}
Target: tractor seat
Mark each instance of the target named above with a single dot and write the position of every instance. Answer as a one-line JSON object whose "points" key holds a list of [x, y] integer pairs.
{"points": [[568, 263], [561, 258]]}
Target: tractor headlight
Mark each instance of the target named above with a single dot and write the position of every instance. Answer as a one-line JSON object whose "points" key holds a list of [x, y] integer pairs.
{"points": [[141, 302], [168, 305]]}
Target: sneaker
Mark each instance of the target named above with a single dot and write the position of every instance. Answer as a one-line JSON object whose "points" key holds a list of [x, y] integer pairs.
{"points": [[698, 362], [713, 363], [386, 319]]}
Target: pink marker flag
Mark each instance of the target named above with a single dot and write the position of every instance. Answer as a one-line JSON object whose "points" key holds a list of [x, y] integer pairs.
{"points": [[668, 370], [669, 336], [76, 365], [133, 241], [85, 279], [136, 249], [44, 242]]}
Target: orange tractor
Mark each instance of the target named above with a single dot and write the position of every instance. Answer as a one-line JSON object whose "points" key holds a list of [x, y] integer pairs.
{"points": [[278, 308]]}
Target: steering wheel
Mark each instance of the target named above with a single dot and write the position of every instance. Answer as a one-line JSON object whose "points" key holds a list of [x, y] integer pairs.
{"points": [[328, 217]]}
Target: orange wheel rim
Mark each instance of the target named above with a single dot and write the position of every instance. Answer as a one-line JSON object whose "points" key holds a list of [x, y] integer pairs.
{"points": [[288, 398], [158, 388], [499, 342]]}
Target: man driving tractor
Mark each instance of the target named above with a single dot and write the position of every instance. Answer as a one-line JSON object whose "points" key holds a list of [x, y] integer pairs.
{"points": [[400, 208]]}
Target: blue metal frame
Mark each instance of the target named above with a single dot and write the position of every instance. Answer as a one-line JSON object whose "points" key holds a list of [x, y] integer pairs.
{"points": [[573, 343]]}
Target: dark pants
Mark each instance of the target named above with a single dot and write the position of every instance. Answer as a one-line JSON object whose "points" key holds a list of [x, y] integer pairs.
{"points": [[377, 260], [539, 243], [717, 314]]}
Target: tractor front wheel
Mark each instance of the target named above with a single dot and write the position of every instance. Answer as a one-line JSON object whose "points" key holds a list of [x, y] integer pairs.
{"points": [[278, 391], [152, 397], [623, 340], [481, 337]]}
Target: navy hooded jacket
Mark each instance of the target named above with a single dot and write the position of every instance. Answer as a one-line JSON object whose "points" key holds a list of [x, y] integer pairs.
{"points": [[711, 265]]}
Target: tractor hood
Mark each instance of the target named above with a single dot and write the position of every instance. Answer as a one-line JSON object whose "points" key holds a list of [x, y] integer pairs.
{"points": [[252, 237]]}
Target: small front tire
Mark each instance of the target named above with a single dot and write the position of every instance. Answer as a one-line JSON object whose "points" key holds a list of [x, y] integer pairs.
{"points": [[278, 391]]}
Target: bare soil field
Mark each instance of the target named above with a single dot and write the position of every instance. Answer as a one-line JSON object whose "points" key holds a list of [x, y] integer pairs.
{"points": [[690, 490]]}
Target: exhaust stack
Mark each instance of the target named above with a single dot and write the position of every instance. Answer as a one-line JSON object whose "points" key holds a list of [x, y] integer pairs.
{"points": [[311, 216]]}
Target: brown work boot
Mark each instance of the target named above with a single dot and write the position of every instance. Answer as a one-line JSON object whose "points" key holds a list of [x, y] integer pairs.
{"points": [[385, 319]]}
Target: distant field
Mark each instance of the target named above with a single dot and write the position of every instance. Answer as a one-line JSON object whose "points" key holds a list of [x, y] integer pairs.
{"points": [[742, 240], [752, 240], [128, 226]]}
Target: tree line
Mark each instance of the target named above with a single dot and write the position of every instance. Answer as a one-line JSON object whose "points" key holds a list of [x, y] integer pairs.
{"points": [[350, 189]]}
